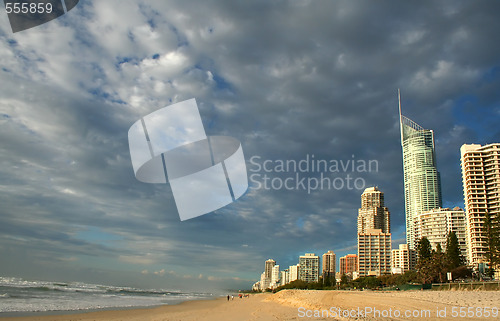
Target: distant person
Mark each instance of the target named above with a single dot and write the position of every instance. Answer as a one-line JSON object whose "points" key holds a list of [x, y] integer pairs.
{"points": [[228, 297]]}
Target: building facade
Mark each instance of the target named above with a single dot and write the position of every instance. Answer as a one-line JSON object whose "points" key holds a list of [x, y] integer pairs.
{"points": [[373, 214], [268, 268], [348, 264], [481, 183], [374, 253], [329, 266], [437, 223], [403, 259], [285, 277], [422, 183], [294, 272], [275, 277], [309, 267]]}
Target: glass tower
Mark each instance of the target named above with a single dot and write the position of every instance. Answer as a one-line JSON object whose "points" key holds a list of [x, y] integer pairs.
{"points": [[422, 182]]}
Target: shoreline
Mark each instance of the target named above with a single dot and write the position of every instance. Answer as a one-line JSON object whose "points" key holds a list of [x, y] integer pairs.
{"points": [[306, 305], [30, 314], [211, 309]]}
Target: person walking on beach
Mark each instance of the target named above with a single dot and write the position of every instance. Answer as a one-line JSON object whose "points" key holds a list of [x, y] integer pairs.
{"points": [[228, 297]]}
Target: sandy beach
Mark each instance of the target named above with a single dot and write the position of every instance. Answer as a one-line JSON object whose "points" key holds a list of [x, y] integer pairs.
{"points": [[313, 305]]}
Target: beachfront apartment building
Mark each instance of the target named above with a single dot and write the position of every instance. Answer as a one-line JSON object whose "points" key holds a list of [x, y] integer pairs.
{"points": [[275, 277], [285, 277], [422, 183], [270, 277], [348, 264], [373, 214], [374, 237], [435, 225], [294, 272], [268, 268], [403, 259], [481, 184], [374, 253], [329, 266], [309, 267]]}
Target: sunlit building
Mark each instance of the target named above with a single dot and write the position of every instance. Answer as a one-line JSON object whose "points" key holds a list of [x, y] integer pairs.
{"points": [[294, 272], [435, 225], [373, 214], [481, 183], [374, 253], [329, 259], [422, 184], [309, 267], [348, 264], [403, 259]]}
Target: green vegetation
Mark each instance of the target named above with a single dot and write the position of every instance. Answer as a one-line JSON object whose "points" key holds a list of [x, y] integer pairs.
{"points": [[492, 228], [453, 255], [303, 285], [432, 266]]}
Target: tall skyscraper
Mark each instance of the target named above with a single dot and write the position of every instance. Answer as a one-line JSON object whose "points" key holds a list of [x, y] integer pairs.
{"points": [[348, 264], [373, 214], [309, 267], [481, 180], [329, 259], [422, 182], [437, 223]]}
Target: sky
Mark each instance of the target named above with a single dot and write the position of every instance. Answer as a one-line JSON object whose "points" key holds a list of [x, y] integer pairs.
{"points": [[288, 79]]}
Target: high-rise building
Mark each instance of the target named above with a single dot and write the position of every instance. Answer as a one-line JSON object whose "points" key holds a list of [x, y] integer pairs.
{"points": [[374, 237], [437, 223], [275, 277], [264, 283], [373, 214], [309, 267], [294, 272], [481, 180], [374, 253], [285, 277], [348, 264], [403, 259], [268, 278], [268, 269], [329, 259], [422, 184]]}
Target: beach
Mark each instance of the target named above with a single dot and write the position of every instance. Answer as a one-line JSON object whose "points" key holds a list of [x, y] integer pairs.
{"points": [[311, 305]]}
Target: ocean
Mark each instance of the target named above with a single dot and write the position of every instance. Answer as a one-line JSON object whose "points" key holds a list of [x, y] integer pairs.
{"points": [[18, 295]]}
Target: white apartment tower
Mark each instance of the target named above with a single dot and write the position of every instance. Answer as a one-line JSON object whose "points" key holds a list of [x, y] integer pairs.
{"points": [[437, 223], [309, 267], [481, 182], [294, 272], [275, 276]]}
